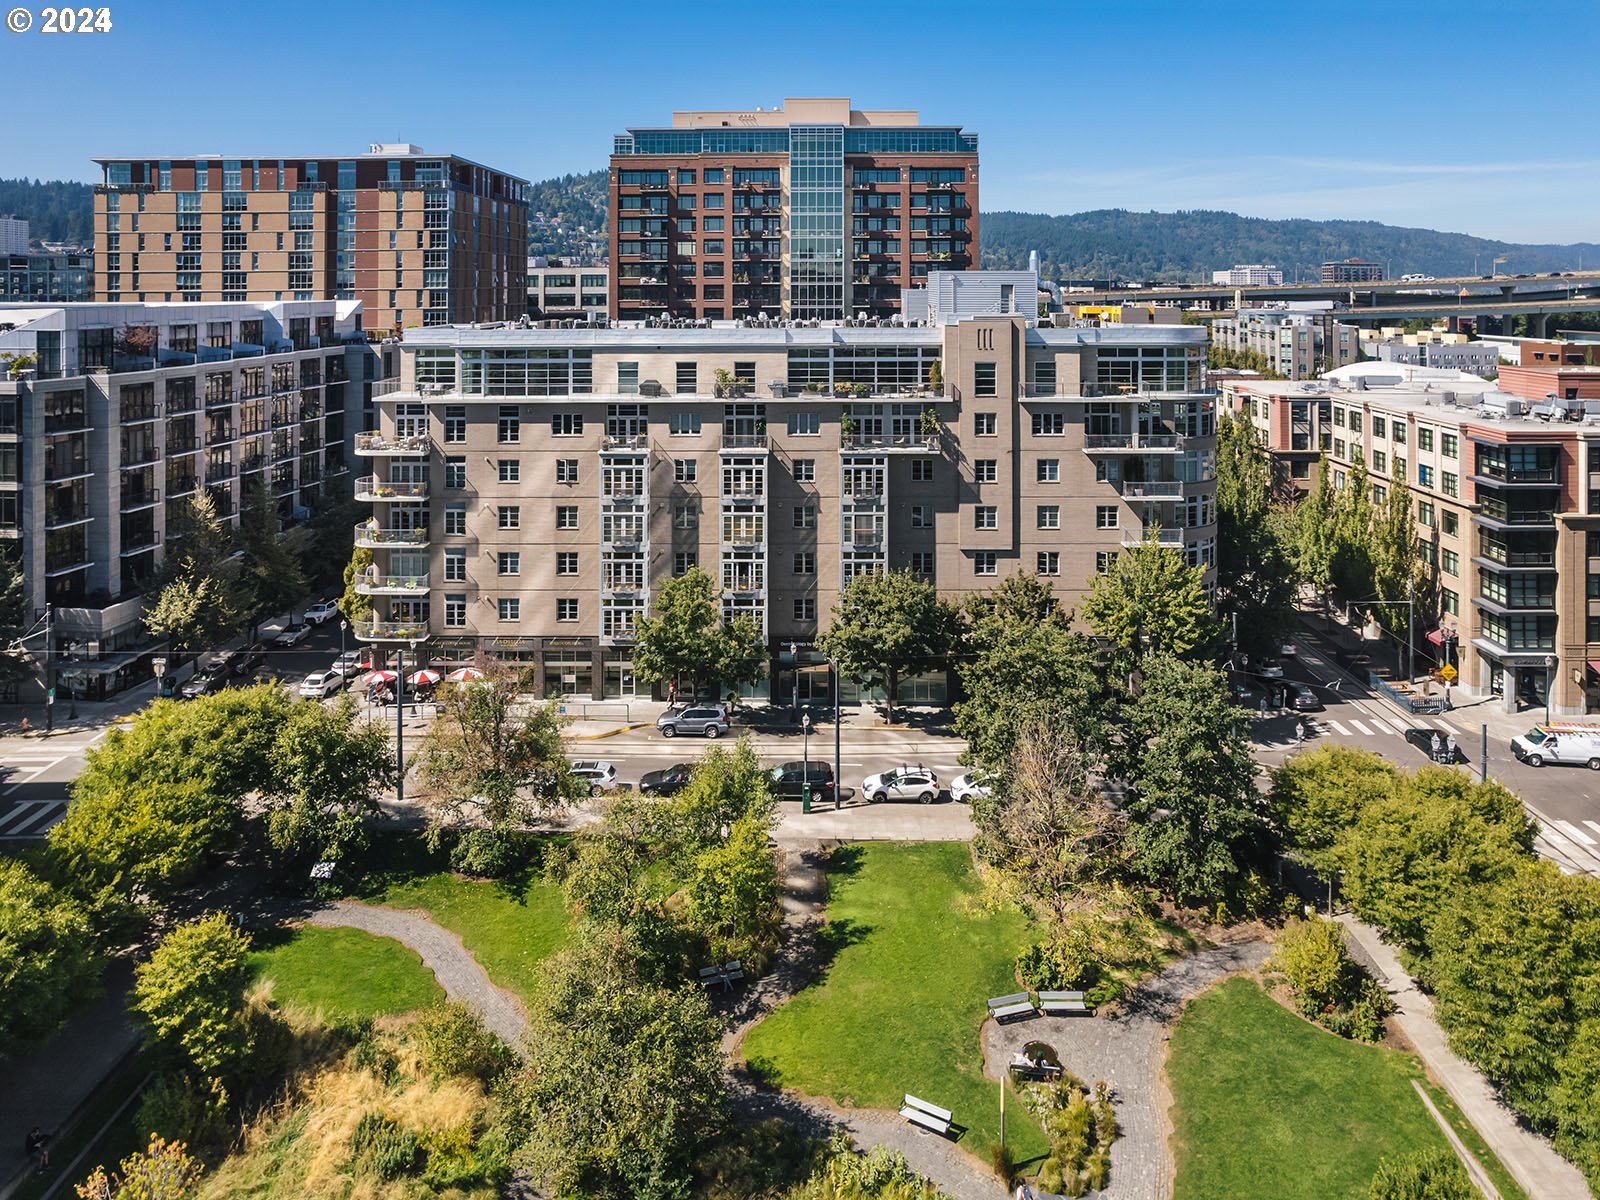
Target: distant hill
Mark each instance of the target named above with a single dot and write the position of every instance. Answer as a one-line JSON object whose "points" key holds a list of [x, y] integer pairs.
{"points": [[567, 216], [1185, 247], [59, 210]]}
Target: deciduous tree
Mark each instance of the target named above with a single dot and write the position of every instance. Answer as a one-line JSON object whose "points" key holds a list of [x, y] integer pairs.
{"points": [[689, 638], [887, 624], [328, 770], [1319, 794], [48, 959], [272, 580], [196, 599], [1151, 601], [190, 994], [1256, 579]]}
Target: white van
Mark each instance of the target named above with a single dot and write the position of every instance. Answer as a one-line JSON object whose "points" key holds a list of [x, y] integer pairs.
{"points": [[1567, 745]]}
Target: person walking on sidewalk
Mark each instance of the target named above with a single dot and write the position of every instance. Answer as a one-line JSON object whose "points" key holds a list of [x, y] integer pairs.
{"points": [[37, 1145]]}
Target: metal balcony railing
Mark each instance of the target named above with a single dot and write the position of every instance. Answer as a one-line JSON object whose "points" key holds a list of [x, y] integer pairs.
{"points": [[370, 488], [378, 443], [372, 536], [390, 631]]}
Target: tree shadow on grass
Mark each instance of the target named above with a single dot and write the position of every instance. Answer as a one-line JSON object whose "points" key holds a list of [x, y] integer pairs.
{"points": [[835, 936], [845, 860]]}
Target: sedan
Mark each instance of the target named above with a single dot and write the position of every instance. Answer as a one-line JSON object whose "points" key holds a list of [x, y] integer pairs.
{"points": [[600, 776], [1269, 668], [668, 781], [902, 783], [207, 683], [1303, 699], [292, 635], [321, 684], [352, 663], [1440, 747], [973, 785]]}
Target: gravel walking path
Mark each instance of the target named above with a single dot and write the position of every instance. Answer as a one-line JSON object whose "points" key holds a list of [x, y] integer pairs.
{"points": [[442, 953], [1125, 1047]]}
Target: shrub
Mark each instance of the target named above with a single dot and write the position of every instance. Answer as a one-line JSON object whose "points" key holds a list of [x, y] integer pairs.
{"points": [[1066, 961], [451, 1040], [1328, 985], [383, 1147], [185, 1108], [1428, 1175], [488, 854], [1081, 1127]]}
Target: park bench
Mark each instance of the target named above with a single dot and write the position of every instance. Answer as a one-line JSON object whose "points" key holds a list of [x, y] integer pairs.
{"points": [[929, 1116], [732, 972], [1003, 1008], [711, 977], [1032, 1070], [1062, 1003]]}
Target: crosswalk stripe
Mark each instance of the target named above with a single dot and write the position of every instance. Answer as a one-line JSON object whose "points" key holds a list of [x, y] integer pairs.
{"points": [[1381, 727], [1361, 727], [1562, 846], [1572, 831], [1449, 728], [1343, 732], [1594, 825], [25, 816]]}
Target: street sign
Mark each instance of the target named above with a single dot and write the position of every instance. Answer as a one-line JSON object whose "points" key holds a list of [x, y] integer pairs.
{"points": [[50, 696], [1447, 673]]}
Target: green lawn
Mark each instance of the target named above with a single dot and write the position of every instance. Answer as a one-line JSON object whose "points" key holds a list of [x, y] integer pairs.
{"points": [[345, 973], [900, 1007], [1267, 1105]]}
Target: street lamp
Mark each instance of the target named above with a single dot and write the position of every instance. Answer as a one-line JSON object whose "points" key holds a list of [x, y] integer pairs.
{"points": [[794, 659], [805, 754], [838, 720], [399, 723], [1550, 662], [344, 628]]}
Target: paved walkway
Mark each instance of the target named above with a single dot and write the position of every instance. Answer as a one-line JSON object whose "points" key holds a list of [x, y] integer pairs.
{"points": [[1536, 1167], [442, 953]]}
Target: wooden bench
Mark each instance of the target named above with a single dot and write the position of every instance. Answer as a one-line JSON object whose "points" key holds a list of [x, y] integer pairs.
{"points": [[1003, 1008], [1062, 1003], [929, 1116], [1044, 1072], [732, 973], [711, 977]]}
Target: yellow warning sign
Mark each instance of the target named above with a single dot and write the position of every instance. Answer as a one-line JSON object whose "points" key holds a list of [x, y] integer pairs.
{"points": [[1447, 673]]}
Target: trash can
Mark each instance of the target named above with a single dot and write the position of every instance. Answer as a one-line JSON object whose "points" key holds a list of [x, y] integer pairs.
{"points": [[805, 797]]}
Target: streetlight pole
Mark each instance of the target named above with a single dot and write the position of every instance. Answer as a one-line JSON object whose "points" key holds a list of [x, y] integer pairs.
{"points": [[838, 720], [794, 656], [805, 751], [399, 727], [1549, 683], [344, 628]]}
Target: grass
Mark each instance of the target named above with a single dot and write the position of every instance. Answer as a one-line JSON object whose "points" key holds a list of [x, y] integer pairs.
{"points": [[1267, 1105], [898, 1009], [344, 974]]}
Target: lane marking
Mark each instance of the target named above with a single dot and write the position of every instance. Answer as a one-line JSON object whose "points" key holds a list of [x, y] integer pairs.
{"points": [[1378, 724], [1594, 825], [26, 814], [1343, 732], [1449, 728], [1361, 727]]}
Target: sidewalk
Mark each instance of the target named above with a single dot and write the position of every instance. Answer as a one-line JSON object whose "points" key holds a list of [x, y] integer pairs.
{"points": [[1536, 1167]]}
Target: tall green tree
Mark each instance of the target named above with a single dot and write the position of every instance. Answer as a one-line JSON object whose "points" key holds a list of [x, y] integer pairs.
{"points": [[1350, 565], [196, 599], [1256, 578], [190, 995], [1397, 573], [272, 579], [688, 638], [355, 606], [328, 770], [48, 959], [16, 664], [887, 624], [1314, 534], [1023, 664], [1152, 602]]}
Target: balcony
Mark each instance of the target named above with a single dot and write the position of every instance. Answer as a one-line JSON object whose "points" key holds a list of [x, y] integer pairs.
{"points": [[369, 535], [1511, 520], [1131, 443], [390, 631], [139, 543], [625, 442], [57, 471], [374, 584], [371, 489], [1162, 537], [888, 443], [744, 441], [379, 444], [1162, 489], [623, 539], [862, 498], [219, 471], [743, 497], [133, 500], [621, 591], [139, 456], [67, 515]]}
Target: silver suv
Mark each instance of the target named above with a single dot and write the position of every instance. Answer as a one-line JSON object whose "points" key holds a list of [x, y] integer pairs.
{"points": [[706, 720]]}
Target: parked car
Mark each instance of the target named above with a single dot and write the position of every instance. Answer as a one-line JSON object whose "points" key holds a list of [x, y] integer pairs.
{"points": [[252, 658], [1303, 699], [789, 780], [600, 776], [322, 610], [292, 634], [668, 781], [1289, 650], [352, 663], [902, 783], [1269, 668], [321, 684], [972, 785], [1441, 748], [709, 720], [205, 683]]}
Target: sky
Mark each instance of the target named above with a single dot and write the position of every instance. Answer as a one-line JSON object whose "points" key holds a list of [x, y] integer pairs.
{"points": [[1468, 116]]}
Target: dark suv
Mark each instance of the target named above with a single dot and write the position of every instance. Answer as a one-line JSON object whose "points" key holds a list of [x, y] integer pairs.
{"points": [[706, 720], [789, 779]]}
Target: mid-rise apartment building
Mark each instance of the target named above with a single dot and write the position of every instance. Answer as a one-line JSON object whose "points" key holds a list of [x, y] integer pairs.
{"points": [[1298, 340], [1505, 487], [419, 239], [1352, 270], [567, 293], [1293, 422], [13, 236], [1437, 348], [532, 489], [47, 277], [812, 211], [1249, 275], [126, 410]]}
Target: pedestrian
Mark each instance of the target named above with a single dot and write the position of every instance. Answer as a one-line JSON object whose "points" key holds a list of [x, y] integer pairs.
{"points": [[25, 727], [36, 1144], [672, 692]]}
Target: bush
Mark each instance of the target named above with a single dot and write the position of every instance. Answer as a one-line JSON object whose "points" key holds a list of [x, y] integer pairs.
{"points": [[489, 853], [451, 1040], [1065, 962], [383, 1147], [185, 1108], [1428, 1175], [1081, 1127], [1329, 986]]}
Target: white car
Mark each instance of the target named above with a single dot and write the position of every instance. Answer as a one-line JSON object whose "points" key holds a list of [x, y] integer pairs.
{"points": [[1269, 668], [321, 684], [351, 663], [292, 635], [973, 785], [322, 610], [902, 783], [600, 776]]}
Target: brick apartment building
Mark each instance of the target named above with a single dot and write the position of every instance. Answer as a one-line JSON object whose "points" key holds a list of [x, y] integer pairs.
{"points": [[419, 239], [813, 211], [531, 489]]}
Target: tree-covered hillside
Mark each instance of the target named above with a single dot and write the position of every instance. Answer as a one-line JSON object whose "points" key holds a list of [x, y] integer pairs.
{"points": [[59, 210]]}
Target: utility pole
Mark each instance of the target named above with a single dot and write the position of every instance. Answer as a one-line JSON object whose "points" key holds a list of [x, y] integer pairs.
{"points": [[399, 727], [838, 721], [49, 669], [1411, 620]]}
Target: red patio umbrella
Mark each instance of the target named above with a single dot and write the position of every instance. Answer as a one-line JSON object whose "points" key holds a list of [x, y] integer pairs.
{"points": [[464, 674], [425, 676], [382, 677]]}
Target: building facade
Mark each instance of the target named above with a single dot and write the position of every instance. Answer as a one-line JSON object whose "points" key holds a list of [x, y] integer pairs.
{"points": [[813, 211], [13, 236], [127, 410], [1297, 341], [1351, 270], [65, 277], [532, 489], [1442, 351], [567, 293], [1249, 275], [419, 239]]}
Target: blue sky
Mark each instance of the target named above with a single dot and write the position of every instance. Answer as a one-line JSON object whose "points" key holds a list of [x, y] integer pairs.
{"points": [[1467, 116]]}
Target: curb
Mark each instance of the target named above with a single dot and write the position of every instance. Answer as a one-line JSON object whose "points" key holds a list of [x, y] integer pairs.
{"points": [[595, 737]]}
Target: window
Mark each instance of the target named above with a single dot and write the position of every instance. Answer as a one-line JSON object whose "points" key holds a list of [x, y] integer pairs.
{"points": [[1424, 475], [922, 563], [565, 425], [683, 470], [1105, 516], [1049, 516], [805, 563], [687, 381], [805, 516], [1379, 427], [1340, 450], [685, 561], [1424, 438], [983, 424], [985, 562], [1425, 515], [455, 565], [685, 516], [985, 470], [510, 470], [1450, 602], [921, 516], [455, 612], [566, 562], [1107, 470], [510, 425], [804, 424], [683, 424], [566, 608], [510, 516], [1103, 560], [455, 520], [511, 609], [628, 378], [1399, 432], [1048, 470], [1380, 461], [455, 471], [805, 470], [1338, 418], [566, 516], [1448, 444], [1449, 484], [566, 470], [1049, 424], [1048, 562], [983, 379], [1450, 522], [1355, 421], [510, 562], [1450, 561], [922, 470], [805, 608], [985, 516]]}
